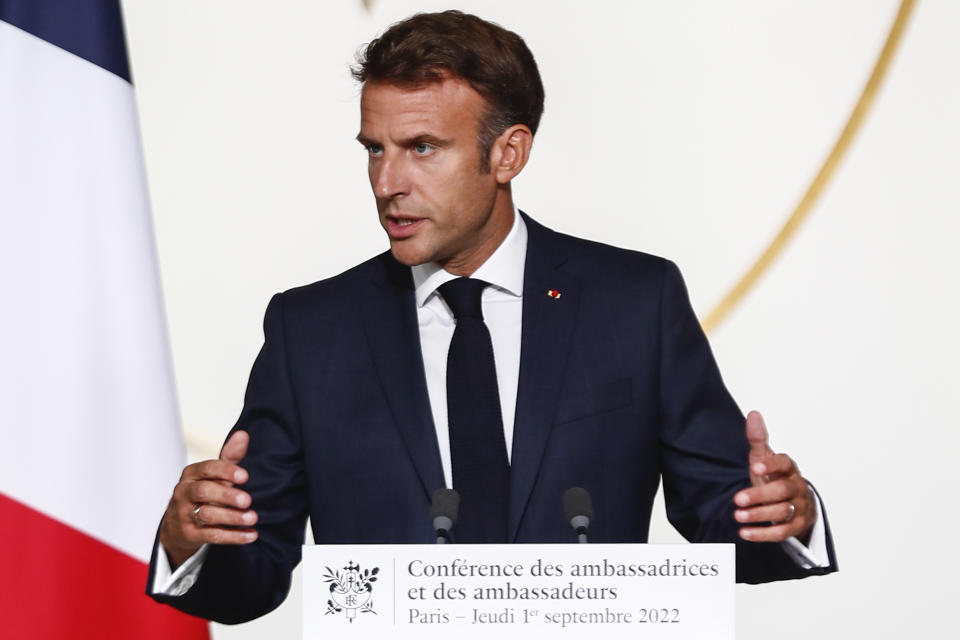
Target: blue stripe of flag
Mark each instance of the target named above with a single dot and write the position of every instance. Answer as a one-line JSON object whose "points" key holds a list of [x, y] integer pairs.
{"points": [[91, 29]]}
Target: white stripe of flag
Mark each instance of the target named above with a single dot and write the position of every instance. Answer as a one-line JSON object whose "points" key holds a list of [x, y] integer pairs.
{"points": [[90, 431]]}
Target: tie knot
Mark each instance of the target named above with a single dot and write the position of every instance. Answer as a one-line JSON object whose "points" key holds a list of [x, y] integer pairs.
{"points": [[463, 297]]}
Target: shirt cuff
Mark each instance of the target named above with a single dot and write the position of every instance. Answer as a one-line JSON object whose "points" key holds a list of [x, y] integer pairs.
{"points": [[180, 581], [814, 554]]}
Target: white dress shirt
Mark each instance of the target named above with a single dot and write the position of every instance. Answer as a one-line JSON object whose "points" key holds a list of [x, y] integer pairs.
{"points": [[502, 305]]}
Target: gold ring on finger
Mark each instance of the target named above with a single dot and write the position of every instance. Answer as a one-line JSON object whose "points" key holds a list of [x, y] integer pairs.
{"points": [[793, 510], [196, 516]]}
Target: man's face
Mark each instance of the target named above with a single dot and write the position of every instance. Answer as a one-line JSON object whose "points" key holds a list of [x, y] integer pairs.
{"points": [[424, 167]]}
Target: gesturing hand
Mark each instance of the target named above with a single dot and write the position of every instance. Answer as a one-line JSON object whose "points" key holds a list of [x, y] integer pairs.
{"points": [[206, 507], [779, 494]]}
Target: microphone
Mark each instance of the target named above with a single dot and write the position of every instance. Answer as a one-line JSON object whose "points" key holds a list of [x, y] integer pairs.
{"points": [[578, 511], [444, 506]]}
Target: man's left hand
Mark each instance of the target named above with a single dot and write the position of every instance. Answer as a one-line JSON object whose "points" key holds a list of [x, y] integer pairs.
{"points": [[779, 494]]}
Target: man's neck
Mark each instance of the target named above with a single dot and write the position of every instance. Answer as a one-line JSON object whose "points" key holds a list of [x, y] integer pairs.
{"points": [[503, 269], [494, 233]]}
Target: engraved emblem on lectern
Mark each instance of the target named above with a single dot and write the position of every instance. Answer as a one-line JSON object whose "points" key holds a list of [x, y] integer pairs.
{"points": [[351, 590]]}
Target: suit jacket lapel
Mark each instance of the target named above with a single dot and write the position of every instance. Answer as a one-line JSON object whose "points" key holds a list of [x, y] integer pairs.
{"points": [[390, 321], [548, 324]]}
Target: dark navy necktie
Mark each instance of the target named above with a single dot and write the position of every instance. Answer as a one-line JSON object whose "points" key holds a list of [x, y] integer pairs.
{"points": [[481, 473]]}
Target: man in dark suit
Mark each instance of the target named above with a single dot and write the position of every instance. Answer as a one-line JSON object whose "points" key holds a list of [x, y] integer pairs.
{"points": [[601, 375]]}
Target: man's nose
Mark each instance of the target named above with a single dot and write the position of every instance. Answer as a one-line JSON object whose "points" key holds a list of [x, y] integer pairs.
{"points": [[389, 179]]}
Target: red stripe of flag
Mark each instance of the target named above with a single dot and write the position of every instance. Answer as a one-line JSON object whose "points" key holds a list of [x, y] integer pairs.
{"points": [[57, 583]]}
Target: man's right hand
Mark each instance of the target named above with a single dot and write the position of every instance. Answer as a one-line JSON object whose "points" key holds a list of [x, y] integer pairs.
{"points": [[207, 508]]}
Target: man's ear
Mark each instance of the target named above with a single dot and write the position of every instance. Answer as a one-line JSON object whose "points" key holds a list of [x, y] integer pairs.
{"points": [[510, 152]]}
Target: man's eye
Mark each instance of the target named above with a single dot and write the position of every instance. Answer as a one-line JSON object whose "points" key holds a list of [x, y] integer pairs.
{"points": [[422, 148], [375, 150]]}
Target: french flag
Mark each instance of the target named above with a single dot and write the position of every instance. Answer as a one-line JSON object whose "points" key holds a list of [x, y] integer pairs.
{"points": [[89, 432]]}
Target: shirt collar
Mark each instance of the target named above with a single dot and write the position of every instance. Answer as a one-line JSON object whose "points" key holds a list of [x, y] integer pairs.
{"points": [[503, 269]]}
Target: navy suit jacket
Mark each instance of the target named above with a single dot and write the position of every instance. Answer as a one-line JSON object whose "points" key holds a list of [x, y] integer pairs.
{"points": [[617, 389]]}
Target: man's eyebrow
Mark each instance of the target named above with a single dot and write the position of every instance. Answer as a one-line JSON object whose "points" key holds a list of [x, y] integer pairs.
{"points": [[426, 137], [409, 141]]}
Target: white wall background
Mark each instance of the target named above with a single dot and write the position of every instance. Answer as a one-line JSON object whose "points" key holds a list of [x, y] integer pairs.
{"points": [[686, 129]]}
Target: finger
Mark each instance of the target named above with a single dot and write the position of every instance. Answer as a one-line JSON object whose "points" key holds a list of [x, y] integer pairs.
{"points": [[235, 447], [222, 535], [210, 492], [772, 467], [757, 436], [219, 470], [208, 515], [779, 512], [781, 490], [774, 533]]}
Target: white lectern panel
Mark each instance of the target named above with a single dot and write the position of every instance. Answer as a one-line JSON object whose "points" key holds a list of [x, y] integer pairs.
{"points": [[513, 591]]}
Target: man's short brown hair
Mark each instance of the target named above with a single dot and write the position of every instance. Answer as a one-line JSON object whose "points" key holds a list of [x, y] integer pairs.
{"points": [[429, 47]]}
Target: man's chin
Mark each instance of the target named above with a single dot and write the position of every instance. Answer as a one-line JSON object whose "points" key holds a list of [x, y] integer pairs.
{"points": [[408, 256]]}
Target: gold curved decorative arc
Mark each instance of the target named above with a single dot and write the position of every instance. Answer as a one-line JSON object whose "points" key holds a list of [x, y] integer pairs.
{"points": [[367, 4], [749, 279]]}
